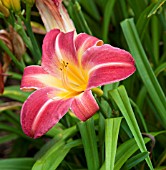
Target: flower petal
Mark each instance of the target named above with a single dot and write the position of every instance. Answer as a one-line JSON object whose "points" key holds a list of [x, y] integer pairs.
{"points": [[50, 61], [84, 105], [65, 48], [40, 112], [84, 41], [63, 17], [54, 15], [58, 49], [35, 77], [107, 64]]}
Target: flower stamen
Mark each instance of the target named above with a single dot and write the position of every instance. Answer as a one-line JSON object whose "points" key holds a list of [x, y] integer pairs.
{"points": [[72, 81]]}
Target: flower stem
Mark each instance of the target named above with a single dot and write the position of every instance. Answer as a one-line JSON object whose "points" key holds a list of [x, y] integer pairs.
{"points": [[28, 13], [29, 41], [36, 48], [6, 49], [81, 17]]}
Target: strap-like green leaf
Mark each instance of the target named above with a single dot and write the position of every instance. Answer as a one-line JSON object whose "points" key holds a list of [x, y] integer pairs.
{"points": [[121, 99], [17, 163], [89, 141], [135, 160], [156, 7], [144, 68], [112, 126]]}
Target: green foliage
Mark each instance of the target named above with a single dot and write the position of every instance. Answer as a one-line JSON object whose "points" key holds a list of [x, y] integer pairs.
{"points": [[17, 163], [132, 115]]}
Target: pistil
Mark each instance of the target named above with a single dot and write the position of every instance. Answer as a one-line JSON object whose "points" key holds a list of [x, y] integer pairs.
{"points": [[72, 78]]}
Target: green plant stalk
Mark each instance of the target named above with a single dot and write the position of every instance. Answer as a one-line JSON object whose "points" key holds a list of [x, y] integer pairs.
{"points": [[12, 130], [155, 39], [6, 49], [89, 141], [42, 163], [28, 13], [19, 28], [140, 115], [107, 16], [101, 132], [156, 7], [54, 155], [36, 48], [123, 5], [128, 148], [133, 161], [162, 20], [90, 7], [143, 22], [11, 19], [10, 118], [141, 97], [144, 68], [7, 138], [112, 126], [162, 158], [137, 7], [80, 17], [105, 115], [17, 163], [15, 75], [67, 133], [120, 97], [2, 15], [160, 68], [50, 147]]}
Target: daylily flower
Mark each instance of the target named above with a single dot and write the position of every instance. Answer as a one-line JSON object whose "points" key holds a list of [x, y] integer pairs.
{"points": [[54, 15], [70, 68]]}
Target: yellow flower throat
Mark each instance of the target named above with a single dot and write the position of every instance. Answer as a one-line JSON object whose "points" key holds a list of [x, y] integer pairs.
{"points": [[74, 79]]}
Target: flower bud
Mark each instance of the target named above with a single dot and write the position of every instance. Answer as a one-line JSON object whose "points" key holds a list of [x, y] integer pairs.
{"points": [[55, 15], [13, 5], [38, 28], [4, 10]]}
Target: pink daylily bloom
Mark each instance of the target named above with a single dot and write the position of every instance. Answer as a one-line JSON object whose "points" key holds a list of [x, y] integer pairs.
{"points": [[54, 15], [70, 68]]}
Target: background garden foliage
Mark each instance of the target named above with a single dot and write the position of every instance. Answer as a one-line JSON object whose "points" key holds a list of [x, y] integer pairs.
{"points": [[128, 132]]}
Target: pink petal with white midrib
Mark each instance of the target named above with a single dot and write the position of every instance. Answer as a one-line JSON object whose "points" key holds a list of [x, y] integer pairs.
{"points": [[65, 49], [106, 64], [35, 77], [83, 42], [84, 105], [40, 112], [111, 74], [50, 61]]}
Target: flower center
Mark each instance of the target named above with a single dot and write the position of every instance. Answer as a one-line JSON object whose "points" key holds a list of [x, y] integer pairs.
{"points": [[63, 65], [74, 79]]}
